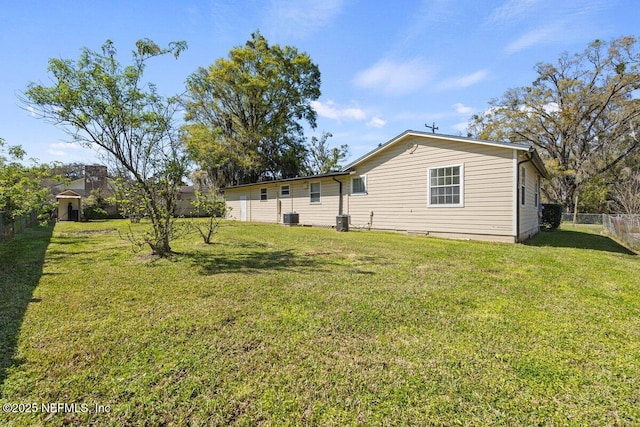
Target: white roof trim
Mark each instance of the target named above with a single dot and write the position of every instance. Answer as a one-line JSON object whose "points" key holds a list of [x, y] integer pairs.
{"points": [[411, 133]]}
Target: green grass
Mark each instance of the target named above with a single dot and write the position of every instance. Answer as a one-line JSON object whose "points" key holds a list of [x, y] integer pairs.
{"points": [[306, 326]]}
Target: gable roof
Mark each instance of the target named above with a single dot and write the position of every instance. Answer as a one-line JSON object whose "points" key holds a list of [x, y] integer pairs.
{"points": [[68, 194], [537, 161]]}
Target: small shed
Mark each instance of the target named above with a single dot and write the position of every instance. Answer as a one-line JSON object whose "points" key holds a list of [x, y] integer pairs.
{"points": [[69, 206]]}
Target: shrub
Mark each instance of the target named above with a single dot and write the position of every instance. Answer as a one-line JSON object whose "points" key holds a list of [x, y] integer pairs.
{"points": [[95, 206], [551, 216], [94, 212]]}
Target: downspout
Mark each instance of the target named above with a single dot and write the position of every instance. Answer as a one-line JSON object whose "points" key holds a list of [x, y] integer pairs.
{"points": [[340, 195], [521, 162]]}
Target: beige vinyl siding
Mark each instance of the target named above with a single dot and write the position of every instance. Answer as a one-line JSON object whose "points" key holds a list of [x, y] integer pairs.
{"points": [[257, 210], [398, 188], [232, 198], [397, 192], [529, 218], [321, 214]]}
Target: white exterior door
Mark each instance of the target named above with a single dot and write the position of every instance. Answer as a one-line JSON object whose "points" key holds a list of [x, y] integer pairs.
{"points": [[243, 208]]}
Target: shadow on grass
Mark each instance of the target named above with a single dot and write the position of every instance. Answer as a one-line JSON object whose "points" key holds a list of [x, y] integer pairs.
{"points": [[256, 261], [563, 238], [21, 263]]}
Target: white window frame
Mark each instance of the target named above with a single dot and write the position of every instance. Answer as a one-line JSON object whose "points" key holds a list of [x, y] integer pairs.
{"points": [[288, 190], [319, 192], [266, 194], [460, 204], [364, 181]]}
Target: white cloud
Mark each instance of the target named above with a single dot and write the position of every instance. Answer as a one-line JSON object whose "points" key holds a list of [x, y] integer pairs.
{"points": [[376, 122], [330, 110], [393, 77], [69, 150], [549, 108], [544, 34], [552, 107], [461, 108], [301, 18], [462, 82], [66, 145], [511, 10]]}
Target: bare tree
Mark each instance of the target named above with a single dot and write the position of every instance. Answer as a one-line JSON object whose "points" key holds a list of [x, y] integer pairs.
{"points": [[626, 192]]}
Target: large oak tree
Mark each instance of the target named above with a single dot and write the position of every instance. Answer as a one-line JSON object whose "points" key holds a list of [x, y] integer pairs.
{"points": [[245, 113], [582, 113]]}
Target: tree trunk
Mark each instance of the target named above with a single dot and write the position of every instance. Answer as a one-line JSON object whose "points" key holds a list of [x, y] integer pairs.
{"points": [[575, 209]]}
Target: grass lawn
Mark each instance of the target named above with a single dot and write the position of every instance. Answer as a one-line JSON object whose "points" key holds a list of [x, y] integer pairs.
{"points": [[306, 326]]}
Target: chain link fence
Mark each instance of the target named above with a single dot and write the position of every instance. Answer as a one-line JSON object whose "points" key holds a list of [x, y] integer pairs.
{"points": [[625, 228], [8, 229], [584, 218]]}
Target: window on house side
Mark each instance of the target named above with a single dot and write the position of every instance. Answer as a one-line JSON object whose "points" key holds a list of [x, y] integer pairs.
{"points": [[263, 194], [314, 192], [359, 185], [446, 186], [285, 191]]}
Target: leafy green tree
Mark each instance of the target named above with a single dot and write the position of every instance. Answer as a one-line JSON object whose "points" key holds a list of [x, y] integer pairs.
{"points": [[20, 189], [101, 103], [324, 159], [69, 171], [128, 198], [95, 206], [595, 195], [244, 113], [582, 114]]}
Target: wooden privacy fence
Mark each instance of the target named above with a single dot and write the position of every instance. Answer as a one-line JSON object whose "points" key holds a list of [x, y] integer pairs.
{"points": [[8, 229], [625, 228]]}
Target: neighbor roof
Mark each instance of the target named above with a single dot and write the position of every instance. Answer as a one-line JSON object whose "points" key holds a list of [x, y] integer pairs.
{"points": [[412, 133], [68, 194]]}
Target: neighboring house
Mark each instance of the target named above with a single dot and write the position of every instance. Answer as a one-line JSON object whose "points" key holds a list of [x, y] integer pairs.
{"points": [[95, 177], [418, 182], [184, 202], [69, 196]]}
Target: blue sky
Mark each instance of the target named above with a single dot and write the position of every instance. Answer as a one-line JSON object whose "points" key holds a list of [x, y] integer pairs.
{"points": [[387, 66]]}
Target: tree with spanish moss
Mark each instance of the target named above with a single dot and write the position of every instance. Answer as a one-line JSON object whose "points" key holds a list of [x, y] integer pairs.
{"points": [[582, 113], [245, 112]]}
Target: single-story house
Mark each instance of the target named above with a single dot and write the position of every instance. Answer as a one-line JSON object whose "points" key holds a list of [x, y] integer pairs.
{"points": [[418, 182]]}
